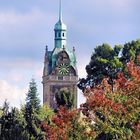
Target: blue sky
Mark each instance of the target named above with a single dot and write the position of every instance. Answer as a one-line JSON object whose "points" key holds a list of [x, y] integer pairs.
{"points": [[26, 27]]}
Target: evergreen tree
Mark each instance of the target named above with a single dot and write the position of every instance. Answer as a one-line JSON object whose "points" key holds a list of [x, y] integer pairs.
{"points": [[107, 62], [32, 109], [32, 96], [130, 51], [3, 120], [12, 124], [104, 62]]}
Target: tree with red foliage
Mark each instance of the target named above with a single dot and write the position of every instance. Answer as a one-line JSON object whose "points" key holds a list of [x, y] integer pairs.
{"points": [[116, 114], [66, 125], [106, 115]]}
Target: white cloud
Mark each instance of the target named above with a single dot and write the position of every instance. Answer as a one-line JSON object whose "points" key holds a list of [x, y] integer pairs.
{"points": [[27, 21], [13, 94], [16, 77], [12, 17], [22, 31], [17, 63], [81, 70]]}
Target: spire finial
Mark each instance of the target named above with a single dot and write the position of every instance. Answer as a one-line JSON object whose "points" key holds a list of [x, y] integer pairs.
{"points": [[73, 49], [60, 11], [46, 52]]}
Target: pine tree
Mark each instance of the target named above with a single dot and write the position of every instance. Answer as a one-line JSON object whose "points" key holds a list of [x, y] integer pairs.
{"points": [[32, 109], [32, 96], [12, 126]]}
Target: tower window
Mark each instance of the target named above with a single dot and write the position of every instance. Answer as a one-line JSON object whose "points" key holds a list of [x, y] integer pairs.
{"points": [[63, 34], [55, 34], [59, 34]]}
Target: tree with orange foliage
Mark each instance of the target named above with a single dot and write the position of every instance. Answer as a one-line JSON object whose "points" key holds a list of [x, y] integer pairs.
{"points": [[66, 125], [106, 114], [116, 114]]}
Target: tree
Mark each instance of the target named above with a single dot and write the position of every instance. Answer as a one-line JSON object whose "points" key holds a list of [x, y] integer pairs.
{"points": [[66, 125], [107, 62], [130, 51], [12, 124], [32, 109], [104, 62], [116, 115], [65, 98], [32, 96], [46, 113], [3, 119]]}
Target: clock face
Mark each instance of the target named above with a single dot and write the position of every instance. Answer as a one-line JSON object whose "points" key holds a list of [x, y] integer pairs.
{"points": [[63, 69]]}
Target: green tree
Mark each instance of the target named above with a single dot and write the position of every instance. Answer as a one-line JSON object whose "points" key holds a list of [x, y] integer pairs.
{"points": [[46, 114], [65, 98], [32, 110], [130, 51], [32, 96], [3, 120], [105, 62], [12, 124]]}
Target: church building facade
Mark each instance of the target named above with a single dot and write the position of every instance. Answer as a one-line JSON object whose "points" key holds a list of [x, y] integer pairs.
{"points": [[60, 69]]}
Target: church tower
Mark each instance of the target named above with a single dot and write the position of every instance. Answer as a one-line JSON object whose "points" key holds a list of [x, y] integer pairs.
{"points": [[60, 69]]}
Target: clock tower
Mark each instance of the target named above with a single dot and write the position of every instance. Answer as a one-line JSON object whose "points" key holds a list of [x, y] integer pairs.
{"points": [[60, 69]]}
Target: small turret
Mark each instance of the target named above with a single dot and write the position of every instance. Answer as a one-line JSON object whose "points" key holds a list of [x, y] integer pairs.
{"points": [[46, 62], [46, 52]]}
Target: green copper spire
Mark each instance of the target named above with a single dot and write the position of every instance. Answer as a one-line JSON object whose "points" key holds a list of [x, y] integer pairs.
{"points": [[60, 11], [60, 25], [60, 30]]}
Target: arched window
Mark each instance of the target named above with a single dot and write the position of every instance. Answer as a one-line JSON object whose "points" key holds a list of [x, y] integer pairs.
{"points": [[63, 34]]}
